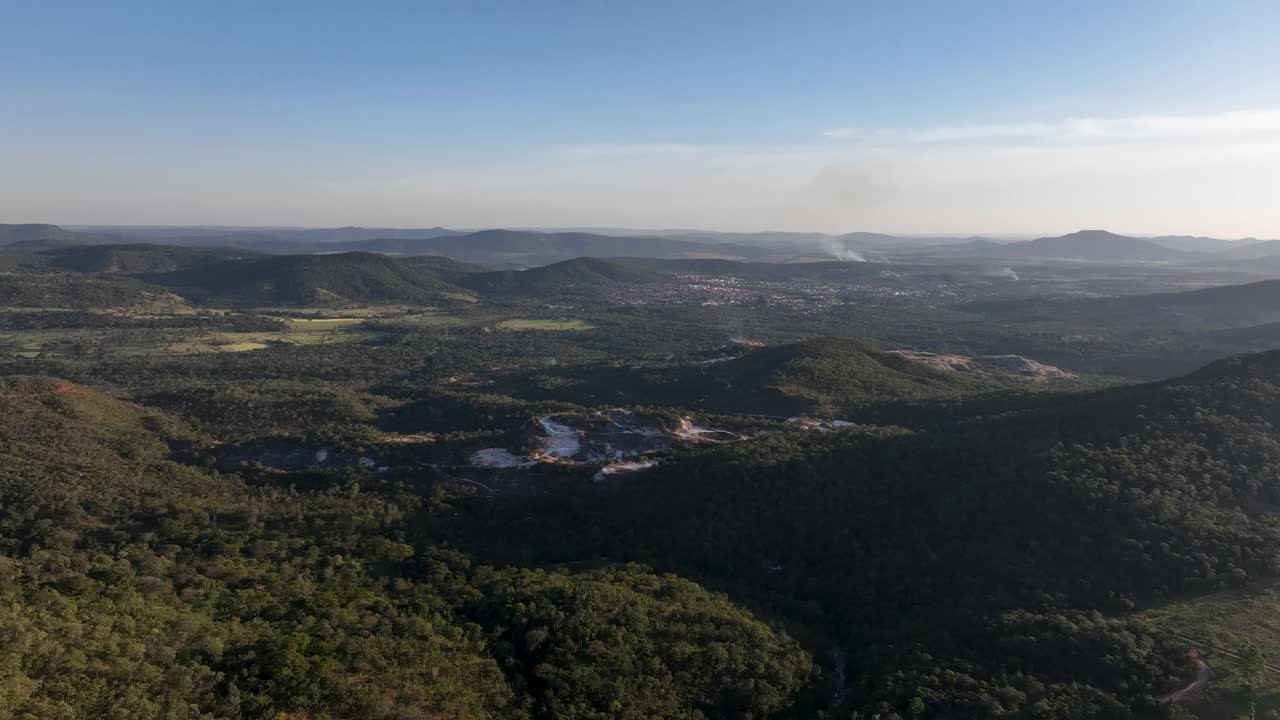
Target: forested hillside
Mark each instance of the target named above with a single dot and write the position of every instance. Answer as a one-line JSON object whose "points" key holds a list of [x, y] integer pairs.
{"points": [[39, 235], [582, 274], [310, 280], [359, 486], [137, 586], [32, 290], [527, 247], [828, 377], [936, 556], [136, 258], [921, 561], [1256, 302], [690, 361]]}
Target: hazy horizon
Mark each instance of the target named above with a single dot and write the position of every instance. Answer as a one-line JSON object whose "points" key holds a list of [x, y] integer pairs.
{"points": [[1155, 118], [636, 231]]}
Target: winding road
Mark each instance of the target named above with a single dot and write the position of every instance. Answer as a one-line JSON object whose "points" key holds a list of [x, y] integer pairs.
{"points": [[1195, 686]]}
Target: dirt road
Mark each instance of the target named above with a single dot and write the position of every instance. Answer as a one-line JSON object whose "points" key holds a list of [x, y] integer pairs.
{"points": [[1195, 686]]}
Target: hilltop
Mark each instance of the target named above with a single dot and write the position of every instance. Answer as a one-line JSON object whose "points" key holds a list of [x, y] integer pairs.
{"points": [[1094, 245], [36, 236], [582, 274], [1091, 245], [829, 377]]}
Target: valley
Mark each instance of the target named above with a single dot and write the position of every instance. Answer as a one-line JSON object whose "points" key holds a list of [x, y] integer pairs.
{"points": [[1009, 491], [639, 361]]}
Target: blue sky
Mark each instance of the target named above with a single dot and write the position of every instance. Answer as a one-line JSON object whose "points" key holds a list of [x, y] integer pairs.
{"points": [[901, 116]]}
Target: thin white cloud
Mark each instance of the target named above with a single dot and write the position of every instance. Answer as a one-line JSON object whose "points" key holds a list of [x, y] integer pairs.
{"points": [[843, 133], [1207, 174], [1079, 130], [624, 150]]}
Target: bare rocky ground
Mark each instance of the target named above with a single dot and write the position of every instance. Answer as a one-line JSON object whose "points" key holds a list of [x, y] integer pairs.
{"points": [[605, 446], [1011, 365]]}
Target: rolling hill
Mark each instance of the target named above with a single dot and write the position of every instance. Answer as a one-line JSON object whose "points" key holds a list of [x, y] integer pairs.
{"points": [[821, 270], [280, 239], [497, 247], [1042, 455], [355, 234], [1263, 295], [524, 247], [74, 436], [828, 377], [135, 258], [1199, 244], [1224, 305], [1254, 250], [941, 560], [155, 607], [36, 236], [1090, 245], [576, 276], [337, 279], [80, 292]]}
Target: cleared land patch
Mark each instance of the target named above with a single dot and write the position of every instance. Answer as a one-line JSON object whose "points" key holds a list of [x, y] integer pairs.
{"points": [[75, 342], [1238, 632], [533, 324]]}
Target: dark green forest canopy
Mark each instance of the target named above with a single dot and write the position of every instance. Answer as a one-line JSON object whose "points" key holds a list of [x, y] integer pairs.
{"points": [[976, 547], [578, 275], [38, 290], [310, 280], [924, 561], [929, 555], [135, 585], [829, 377]]}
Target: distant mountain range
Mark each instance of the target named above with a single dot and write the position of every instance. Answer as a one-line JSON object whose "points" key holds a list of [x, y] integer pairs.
{"points": [[513, 248], [37, 235], [1190, 243], [536, 248], [229, 236], [231, 275], [1082, 245], [1254, 250], [523, 248]]}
